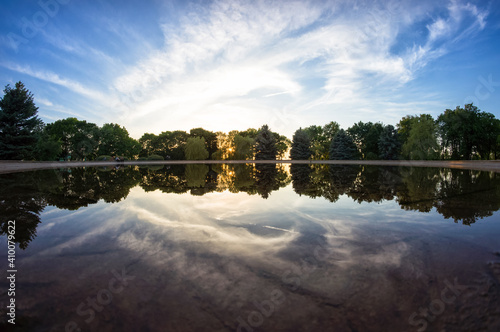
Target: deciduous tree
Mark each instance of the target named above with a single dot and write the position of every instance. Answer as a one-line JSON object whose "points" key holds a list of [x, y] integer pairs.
{"points": [[422, 141], [196, 149]]}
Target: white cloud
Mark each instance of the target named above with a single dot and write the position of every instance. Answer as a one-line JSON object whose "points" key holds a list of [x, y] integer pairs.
{"points": [[235, 64], [56, 79]]}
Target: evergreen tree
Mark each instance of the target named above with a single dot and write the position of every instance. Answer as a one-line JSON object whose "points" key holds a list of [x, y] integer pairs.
{"points": [[18, 123], [301, 145], [389, 144], [265, 144], [343, 147]]}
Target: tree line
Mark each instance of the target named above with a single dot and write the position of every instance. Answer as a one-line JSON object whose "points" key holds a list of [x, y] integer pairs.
{"points": [[462, 133]]}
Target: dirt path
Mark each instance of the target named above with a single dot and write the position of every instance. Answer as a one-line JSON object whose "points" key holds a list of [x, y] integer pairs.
{"points": [[21, 166]]}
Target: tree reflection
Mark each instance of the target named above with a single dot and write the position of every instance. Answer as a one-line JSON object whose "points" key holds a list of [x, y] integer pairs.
{"points": [[169, 179], [301, 178], [419, 188], [462, 195], [21, 201], [79, 187], [266, 179], [342, 180], [464, 188]]}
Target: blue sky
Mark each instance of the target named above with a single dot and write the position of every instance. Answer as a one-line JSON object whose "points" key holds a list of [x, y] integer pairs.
{"points": [[153, 66]]}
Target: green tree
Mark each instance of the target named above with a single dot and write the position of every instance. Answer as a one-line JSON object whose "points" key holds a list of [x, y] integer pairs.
{"points": [[366, 136], [317, 138], [171, 144], [243, 147], [115, 141], [389, 144], [195, 149], [321, 138], [148, 144], [79, 139], [282, 145], [343, 147], [467, 131], [404, 127], [250, 132], [422, 141], [210, 139], [47, 147], [265, 144], [301, 145], [168, 144], [487, 135], [18, 123]]}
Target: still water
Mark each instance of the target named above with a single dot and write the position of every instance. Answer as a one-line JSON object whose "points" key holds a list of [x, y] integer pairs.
{"points": [[253, 248]]}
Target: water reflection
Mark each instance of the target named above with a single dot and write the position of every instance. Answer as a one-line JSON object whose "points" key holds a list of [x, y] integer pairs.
{"points": [[213, 247], [461, 195]]}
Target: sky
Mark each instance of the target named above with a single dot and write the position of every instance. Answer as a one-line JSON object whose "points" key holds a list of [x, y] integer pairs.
{"points": [[154, 66]]}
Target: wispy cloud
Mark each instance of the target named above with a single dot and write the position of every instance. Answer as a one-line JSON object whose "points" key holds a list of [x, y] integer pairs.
{"points": [[236, 64], [226, 53], [56, 79]]}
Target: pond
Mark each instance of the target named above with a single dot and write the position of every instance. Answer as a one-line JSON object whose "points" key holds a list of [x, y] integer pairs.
{"points": [[252, 248]]}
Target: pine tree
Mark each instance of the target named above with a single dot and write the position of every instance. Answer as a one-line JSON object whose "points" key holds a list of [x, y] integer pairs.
{"points": [[301, 145], [265, 144], [389, 144], [343, 147], [18, 123]]}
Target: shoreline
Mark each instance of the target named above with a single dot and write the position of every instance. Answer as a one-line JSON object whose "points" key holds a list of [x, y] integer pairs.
{"points": [[8, 166]]}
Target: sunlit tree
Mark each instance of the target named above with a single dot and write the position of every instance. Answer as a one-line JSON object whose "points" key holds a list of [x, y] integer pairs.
{"points": [[196, 149]]}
